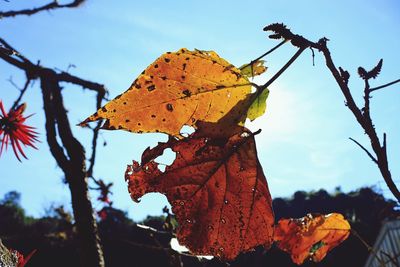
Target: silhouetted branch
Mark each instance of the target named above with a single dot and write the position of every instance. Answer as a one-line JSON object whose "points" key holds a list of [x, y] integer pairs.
{"points": [[280, 31], [67, 150], [47, 7], [383, 86], [35, 71], [263, 55], [366, 150], [291, 60], [22, 92]]}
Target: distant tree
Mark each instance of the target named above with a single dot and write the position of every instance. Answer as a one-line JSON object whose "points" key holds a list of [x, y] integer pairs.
{"points": [[12, 198], [123, 239]]}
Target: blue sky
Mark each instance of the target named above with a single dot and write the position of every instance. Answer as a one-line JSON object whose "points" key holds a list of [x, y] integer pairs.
{"points": [[304, 141]]}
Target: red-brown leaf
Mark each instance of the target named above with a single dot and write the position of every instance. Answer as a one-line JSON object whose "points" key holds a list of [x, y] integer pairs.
{"points": [[217, 190]]}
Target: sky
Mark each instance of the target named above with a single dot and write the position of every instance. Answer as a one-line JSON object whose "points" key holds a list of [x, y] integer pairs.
{"points": [[304, 141]]}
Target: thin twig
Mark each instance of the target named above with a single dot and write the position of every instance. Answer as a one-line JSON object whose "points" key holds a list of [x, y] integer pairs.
{"points": [[369, 248], [385, 85], [100, 96], [366, 150], [46, 7], [263, 55], [22, 92], [273, 78], [391, 258], [313, 56]]}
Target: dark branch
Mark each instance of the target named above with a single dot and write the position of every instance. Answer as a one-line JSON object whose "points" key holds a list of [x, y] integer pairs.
{"points": [[273, 78], [66, 77], [56, 150], [341, 77], [47, 7], [365, 109], [22, 92], [366, 150], [385, 85], [100, 97], [263, 55], [34, 71]]}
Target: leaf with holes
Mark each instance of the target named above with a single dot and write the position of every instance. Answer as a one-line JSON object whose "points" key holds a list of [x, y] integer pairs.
{"points": [[179, 89], [217, 190], [253, 69], [312, 236]]}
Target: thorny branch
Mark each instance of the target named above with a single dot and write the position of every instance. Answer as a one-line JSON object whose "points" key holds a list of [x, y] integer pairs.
{"points": [[363, 117], [46, 7]]}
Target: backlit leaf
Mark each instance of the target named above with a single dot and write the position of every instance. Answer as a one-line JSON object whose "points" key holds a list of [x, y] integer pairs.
{"points": [[259, 106], [175, 90], [217, 190], [312, 236], [253, 69]]}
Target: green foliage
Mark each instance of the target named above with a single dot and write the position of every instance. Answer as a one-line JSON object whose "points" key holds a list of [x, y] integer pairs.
{"points": [[259, 106]]}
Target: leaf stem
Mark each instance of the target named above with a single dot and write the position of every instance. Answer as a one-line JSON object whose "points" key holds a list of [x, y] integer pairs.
{"points": [[276, 76], [263, 55]]}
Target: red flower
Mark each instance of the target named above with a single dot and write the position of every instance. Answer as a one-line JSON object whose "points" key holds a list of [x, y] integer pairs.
{"points": [[14, 130], [22, 260], [104, 191], [102, 214]]}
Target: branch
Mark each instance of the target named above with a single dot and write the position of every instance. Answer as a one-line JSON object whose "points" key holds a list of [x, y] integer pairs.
{"points": [[22, 92], [47, 7], [369, 248], [50, 80], [363, 118], [56, 150], [273, 78], [66, 77], [35, 71], [365, 109], [263, 55], [366, 150], [383, 86]]}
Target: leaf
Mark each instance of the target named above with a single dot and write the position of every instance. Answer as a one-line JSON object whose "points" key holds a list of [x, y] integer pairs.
{"points": [[312, 236], [259, 106], [175, 90], [253, 69], [217, 190]]}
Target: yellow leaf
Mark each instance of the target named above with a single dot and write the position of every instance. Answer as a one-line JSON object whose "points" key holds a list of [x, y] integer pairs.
{"points": [[178, 89]]}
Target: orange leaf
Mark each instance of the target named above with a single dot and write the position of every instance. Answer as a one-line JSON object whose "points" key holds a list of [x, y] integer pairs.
{"points": [[178, 89], [312, 236], [217, 190]]}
